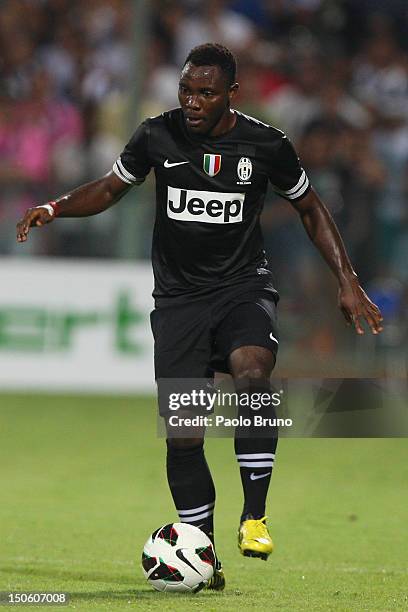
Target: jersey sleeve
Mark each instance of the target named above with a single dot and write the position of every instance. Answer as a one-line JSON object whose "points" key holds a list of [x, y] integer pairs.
{"points": [[286, 175], [133, 164]]}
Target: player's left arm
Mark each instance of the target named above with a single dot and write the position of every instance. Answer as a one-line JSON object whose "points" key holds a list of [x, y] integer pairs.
{"points": [[322, 230]]}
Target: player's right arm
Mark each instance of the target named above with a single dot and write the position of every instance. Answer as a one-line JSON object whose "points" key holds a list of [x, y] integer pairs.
{"points": [[131, 168], [89, 199]]}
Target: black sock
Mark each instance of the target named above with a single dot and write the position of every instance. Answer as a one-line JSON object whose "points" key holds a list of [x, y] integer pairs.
{"points": [[255, 459], [191, 486], [255, 448]]}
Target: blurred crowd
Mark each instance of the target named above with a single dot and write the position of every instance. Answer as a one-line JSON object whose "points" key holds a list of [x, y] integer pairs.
{"points": [[332, 73]]}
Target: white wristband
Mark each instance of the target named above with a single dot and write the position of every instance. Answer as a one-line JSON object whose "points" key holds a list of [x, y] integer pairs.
{"points": [[49, 208]]}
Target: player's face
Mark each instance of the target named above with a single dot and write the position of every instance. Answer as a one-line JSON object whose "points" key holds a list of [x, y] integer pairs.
{"points": [[205, 98]]}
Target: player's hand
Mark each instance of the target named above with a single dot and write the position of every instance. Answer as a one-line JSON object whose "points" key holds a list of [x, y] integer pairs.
{"points": [[34, 217], [357, 306]]}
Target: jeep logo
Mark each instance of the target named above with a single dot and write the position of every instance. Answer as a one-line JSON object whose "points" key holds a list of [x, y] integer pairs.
{"points": [[204, 206]]}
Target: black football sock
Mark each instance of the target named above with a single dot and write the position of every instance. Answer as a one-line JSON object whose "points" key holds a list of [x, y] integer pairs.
{"points": [[255, 448], [255, 459], [191, 486]]}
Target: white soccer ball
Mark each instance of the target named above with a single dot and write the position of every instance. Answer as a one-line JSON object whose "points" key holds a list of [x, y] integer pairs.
{"points": [[178, 557]]}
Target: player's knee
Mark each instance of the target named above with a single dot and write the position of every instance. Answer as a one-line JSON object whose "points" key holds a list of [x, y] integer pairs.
{"points": [[252, 363], [253, 372]]}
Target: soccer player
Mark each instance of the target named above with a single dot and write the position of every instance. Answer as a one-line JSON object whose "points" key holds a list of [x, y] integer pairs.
{"points": [[215, 303]]}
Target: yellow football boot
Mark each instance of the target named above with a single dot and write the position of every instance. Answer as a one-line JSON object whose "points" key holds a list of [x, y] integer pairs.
{"points": [[217, 581], [254, 539]]}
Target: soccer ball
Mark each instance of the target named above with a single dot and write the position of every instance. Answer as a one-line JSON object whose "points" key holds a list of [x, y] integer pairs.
{"points": [[179, 558]]}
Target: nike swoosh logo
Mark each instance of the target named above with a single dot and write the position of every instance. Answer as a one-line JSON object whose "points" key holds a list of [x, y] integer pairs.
{"points": [[254, 476], [168, 164], [179, 554]]}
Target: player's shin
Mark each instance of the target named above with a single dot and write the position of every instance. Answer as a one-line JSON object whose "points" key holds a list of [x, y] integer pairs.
{"points": [[255, 449], [191, 484]]}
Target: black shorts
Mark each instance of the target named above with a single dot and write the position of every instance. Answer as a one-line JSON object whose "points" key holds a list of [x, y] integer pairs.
{"points": [[195, 339]]}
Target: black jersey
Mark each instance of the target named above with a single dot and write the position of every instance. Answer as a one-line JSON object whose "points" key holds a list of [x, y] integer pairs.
{"points": [[210, 193]]}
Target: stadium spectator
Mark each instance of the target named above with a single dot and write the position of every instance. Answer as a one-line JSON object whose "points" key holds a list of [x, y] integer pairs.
{"points": [[381, 83]]}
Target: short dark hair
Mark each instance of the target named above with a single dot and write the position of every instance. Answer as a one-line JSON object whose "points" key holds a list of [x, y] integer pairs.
{"points": [[213, 54]]}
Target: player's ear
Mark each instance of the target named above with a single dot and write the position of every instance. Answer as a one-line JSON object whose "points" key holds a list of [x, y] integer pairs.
{"points": [[233, 91]]}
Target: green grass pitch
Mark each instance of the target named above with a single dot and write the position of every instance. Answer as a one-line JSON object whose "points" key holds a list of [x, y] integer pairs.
{"points": [[83, 484]]}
